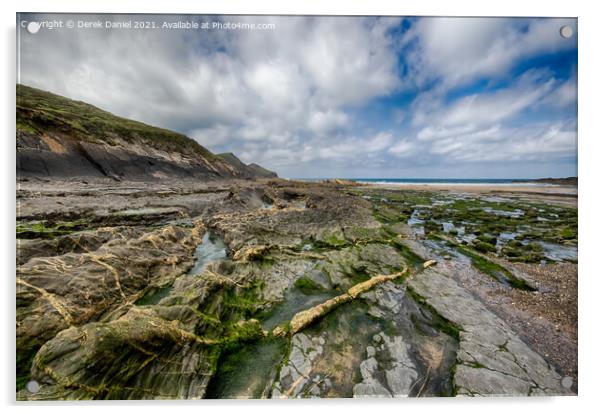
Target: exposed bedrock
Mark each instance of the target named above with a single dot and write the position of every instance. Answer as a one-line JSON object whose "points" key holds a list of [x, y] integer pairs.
{"points": [[491, 359], [125, 291], [62, 138], [57, 292]]}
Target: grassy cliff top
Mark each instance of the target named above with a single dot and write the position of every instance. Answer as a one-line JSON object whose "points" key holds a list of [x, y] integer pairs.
{"points": [[41, 111], [232, 159]]}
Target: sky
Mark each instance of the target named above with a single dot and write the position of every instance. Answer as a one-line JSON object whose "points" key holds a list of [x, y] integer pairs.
{"points": [[313, 97]]}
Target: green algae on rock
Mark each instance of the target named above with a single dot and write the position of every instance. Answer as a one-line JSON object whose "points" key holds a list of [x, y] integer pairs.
{"points": [[114, 311]]}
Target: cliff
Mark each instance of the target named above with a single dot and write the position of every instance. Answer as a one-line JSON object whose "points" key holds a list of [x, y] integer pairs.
{"points": [[60, 137]]}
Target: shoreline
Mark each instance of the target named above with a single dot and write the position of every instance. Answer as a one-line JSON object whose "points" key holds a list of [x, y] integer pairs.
{"points": [[550, 189]]}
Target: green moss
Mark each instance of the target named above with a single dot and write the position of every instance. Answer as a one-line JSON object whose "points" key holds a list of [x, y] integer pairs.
{"points": [[486, 238], [154, 295], [488, 267], [251, 364], [540, 221], [357, 234], [390, 328], [567, 233], [410, 257], [511, 252], [495, 270], [48, 229], [265, 262], [514, 244], [475, 364], [264, 313], [334, 239], [386, 215], [527, 253], [441, 323], [26, 351], [529, 258], [236, 334], [240, 303], [358, 276], [432, 227], [483, 247], [307, 286], [452, 378]]}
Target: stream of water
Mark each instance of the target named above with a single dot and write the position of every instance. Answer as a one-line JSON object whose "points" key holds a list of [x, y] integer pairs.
{"points": [[211, 249]]}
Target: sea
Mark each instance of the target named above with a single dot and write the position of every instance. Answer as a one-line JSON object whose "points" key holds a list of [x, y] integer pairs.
{"points": [[442, 181]]}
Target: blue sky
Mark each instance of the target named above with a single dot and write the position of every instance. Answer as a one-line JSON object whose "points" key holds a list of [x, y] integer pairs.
{"points": [[338, 96]]}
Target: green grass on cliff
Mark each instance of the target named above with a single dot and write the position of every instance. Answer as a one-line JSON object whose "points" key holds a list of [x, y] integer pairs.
{"points": [[41, 111]]}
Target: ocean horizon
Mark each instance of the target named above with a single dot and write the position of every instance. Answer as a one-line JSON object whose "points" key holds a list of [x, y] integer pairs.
{"points": [[440, 181]]}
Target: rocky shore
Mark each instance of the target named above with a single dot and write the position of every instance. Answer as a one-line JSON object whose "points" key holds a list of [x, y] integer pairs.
{"points": [[225, 289]]}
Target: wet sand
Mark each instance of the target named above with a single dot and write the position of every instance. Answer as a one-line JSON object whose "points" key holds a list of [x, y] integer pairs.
{"points": [[485, 188], [565, 195]]}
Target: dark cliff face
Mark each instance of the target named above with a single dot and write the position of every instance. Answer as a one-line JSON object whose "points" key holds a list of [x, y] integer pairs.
{"points": [[247, 171], [60, 137]]}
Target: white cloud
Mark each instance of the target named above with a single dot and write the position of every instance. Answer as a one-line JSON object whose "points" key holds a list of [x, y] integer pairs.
{"points": [[401, 149], [459, 50], [324, 122], [476, 110], [565, 96], [293, 99], [262, 85], [379, 142], [213, 136], [534, 143], [496, 126]]}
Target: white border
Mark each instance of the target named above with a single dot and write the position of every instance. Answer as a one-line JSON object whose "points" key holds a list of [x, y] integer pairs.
{"points": [[590, 158]]}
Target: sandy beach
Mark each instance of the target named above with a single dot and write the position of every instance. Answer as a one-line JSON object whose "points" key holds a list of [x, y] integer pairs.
{"points": [[557, 194]]}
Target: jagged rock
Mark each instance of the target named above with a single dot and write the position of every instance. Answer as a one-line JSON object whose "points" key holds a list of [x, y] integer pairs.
{"points": [[130, 357], [251, 253], [368, 367], [369, 259], [296, 377], [319, 279], [492, 359], [56, 292], [370, 388], [402, 374], [109, 345], [399, 370], [280, 276], [246, 171], [384, 299], [481, 381], [79, 242]]}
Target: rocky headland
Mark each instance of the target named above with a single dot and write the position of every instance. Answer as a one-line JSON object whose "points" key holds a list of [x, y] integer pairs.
{"points": [[59, 137]]}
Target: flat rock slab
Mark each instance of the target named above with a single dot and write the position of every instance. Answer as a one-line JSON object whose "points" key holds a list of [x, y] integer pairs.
{"points": [[398, 378], [492, 359]]}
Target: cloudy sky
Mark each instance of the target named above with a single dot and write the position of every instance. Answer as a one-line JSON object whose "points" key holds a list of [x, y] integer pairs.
{"points": [[335, 96]]}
